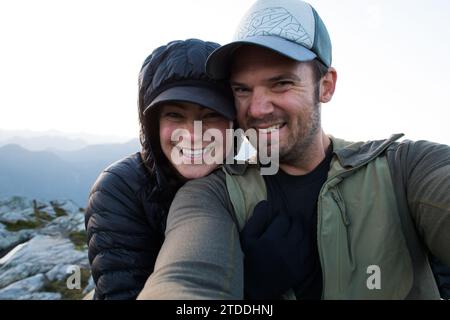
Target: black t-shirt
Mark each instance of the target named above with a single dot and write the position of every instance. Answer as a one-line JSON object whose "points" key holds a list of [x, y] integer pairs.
{"points": [[297, 195]]}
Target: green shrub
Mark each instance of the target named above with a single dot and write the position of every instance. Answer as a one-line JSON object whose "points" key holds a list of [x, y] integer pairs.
{"points": [[42, 216], [20, 225], [79, 239], [58, 210]]}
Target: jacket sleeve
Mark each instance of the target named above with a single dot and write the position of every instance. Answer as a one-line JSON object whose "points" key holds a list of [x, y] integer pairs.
{"points": [[201, 256], [122, 246], [428, 191]]}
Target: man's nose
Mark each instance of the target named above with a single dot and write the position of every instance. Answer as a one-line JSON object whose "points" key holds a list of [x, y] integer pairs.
{"points": [[260, 104]]}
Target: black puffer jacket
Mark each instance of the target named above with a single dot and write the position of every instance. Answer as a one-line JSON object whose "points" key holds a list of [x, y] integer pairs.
{"points": [[128, 204], [125, 221]]}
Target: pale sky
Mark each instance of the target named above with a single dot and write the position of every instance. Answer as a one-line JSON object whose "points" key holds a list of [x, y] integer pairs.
{"points": [[73, 65]]}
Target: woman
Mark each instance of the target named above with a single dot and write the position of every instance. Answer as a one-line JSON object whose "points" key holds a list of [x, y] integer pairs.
{"points": [[129, 202]]}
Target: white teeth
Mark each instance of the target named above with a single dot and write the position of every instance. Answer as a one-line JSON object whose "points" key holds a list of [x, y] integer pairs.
{"points": [[194, 153], [270, 129]]}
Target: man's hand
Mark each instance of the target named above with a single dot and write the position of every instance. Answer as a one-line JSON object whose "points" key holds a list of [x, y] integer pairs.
{"points": [[275, 257]]}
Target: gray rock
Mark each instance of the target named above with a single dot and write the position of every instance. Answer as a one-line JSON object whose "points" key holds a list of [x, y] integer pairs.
{"points": [[8, 204], [17, 209], [17, 273], [48, 210], [9, 239], [65, 224], [41, 296], [23, 287], [11, 253], [60, 272], [30, 258], [40, 255], [15, 216], [90, 286], [72, 222], [68, 206]]}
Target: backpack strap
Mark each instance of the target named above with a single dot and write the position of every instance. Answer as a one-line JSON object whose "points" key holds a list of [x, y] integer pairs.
{"points": [[246, 187]]}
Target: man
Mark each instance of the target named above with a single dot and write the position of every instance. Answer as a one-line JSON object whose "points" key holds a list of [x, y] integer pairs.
{"points": [[340, 220]]}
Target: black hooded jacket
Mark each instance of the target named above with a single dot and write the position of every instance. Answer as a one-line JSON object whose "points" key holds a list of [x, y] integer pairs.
{"points": [[125, 221], [128, 204]]}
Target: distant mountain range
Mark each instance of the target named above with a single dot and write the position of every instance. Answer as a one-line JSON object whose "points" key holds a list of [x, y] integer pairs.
{"points": [[54, 140], [55, 173]]}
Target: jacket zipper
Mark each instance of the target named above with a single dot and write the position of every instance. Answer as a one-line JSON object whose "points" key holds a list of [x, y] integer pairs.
{"points": [[319, 213]]}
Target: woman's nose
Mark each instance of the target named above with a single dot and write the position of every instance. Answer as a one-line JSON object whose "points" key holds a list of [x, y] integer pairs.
{"points": [[194, 131]]}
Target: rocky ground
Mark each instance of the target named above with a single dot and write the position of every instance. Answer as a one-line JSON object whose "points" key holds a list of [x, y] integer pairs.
{"points": [[43, 252]]}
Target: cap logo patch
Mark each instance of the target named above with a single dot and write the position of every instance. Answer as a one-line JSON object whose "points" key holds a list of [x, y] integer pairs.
{"points": [[274, 21]]}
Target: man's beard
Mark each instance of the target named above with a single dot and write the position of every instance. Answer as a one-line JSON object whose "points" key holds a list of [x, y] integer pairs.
{"points": [[302, 138]]}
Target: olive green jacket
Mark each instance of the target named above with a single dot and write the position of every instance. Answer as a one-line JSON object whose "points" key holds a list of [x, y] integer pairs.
{"points": [[384, 207]]}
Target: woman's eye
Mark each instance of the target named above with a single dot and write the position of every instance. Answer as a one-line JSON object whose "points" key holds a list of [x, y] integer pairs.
{"points": [[173, 115], [212, 115]]}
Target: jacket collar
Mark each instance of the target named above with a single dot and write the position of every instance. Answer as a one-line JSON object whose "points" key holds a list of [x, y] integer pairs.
{"points": [[351, 155]]}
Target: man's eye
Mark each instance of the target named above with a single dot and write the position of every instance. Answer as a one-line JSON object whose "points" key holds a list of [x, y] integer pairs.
{"points": [[283, 85], [240, 90]]}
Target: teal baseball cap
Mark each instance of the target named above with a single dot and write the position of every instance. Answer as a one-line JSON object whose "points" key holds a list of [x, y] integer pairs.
{"points": [[292, 28]]}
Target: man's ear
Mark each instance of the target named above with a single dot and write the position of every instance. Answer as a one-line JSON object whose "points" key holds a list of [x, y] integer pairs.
{"points": [[328, 85]]}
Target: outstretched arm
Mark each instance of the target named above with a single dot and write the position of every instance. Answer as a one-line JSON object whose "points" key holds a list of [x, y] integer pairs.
{"points": [[201, 256], [428, 192]]}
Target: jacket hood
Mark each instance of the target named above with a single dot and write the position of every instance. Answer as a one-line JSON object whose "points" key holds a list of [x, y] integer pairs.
{"points": [[178, 64]]}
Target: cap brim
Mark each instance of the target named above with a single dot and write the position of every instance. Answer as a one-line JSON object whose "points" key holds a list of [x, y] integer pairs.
{"points": [[218, 63], [203, 96]]}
